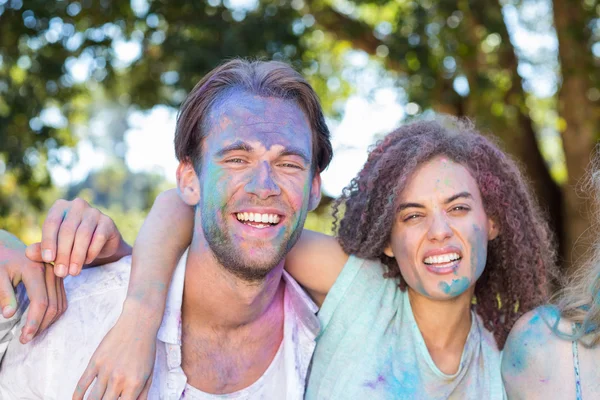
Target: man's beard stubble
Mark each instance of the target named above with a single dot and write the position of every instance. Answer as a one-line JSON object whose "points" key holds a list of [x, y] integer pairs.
{"points": [[231, 259]]}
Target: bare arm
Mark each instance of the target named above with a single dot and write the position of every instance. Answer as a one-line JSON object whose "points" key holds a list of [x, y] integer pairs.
{"points": [[165, 234], [315, 262]]}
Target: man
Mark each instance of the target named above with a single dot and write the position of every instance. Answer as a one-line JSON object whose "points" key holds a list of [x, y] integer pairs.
{"points": [[251, 141]]}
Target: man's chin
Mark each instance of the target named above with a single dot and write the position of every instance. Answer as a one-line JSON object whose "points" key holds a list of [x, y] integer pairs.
{"points": [[250, 266]]}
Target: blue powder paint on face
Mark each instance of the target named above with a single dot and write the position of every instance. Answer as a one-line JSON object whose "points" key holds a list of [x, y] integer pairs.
{"points": [[458, 286], [479, 252]]}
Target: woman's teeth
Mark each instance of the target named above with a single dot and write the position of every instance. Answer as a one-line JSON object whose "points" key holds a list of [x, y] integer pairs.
{"points": [[256, 217], [442, 259]]}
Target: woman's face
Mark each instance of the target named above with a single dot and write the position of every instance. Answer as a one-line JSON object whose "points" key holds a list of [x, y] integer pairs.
{"points": [[441, 231]]}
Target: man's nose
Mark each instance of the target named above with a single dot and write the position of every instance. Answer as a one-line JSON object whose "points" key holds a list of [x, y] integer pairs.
{"points": [[261, 182], [439, 229]]}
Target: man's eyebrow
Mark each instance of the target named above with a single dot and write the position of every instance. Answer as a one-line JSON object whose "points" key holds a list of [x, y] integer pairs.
{"points": [[295, 151], [235, 146], [465, 195]]}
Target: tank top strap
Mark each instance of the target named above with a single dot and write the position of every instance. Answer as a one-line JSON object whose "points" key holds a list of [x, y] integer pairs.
{"points": [[576, 367]]}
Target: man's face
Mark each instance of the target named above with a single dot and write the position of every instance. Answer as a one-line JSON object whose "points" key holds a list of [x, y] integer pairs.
{"points": [[256, 183]]}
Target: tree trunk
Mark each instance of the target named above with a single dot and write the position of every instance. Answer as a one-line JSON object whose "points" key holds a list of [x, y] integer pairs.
{"points": [[582, 123], [517, 132]]}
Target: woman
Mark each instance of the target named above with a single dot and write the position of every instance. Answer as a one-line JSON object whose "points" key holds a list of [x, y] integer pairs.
{"points": [[440, 250], [553, 351]]}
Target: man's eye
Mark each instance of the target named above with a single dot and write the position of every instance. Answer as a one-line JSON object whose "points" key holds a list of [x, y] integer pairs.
{"points": [[235, 161], [459, 209], [290, 165]]}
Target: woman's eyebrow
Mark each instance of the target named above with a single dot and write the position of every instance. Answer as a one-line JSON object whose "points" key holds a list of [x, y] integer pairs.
{"points": [[403, 206], [465, 195]]}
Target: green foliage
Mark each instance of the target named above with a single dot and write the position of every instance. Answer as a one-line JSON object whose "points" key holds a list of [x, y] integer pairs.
{"points": [[450, 56]]}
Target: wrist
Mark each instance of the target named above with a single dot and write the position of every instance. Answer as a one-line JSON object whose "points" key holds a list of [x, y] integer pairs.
{"points": [[143, 313]]}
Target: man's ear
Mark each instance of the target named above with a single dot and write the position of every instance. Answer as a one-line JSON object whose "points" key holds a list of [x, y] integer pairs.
{"points": [[493, 230], [315, 192], [188, 184]]}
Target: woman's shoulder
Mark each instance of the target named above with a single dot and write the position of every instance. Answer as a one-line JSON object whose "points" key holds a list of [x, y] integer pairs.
{"points": [[534, 354], [539, 322], [533, 335]]}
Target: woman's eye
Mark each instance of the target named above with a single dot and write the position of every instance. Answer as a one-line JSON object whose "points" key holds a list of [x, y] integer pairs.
{"points": [[235, 161], [411, 217]]}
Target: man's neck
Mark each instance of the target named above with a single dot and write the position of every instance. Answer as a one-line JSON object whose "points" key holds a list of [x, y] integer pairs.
{"points": [[215, 297], [231, 329]]}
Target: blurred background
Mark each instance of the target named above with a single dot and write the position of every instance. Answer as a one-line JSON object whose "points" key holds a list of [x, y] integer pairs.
{"points": [[89, 90]]}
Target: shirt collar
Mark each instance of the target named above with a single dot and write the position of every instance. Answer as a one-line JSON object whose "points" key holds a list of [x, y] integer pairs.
{"points": [[170, 327], [304, 308]]}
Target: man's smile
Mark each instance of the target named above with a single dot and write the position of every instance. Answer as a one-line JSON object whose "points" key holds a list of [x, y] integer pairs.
{"points": [[258, 220]]}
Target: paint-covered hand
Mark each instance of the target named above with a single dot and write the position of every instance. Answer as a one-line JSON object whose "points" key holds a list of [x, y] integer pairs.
{"points": [[123, 362], [46, 292], [75, 234]]}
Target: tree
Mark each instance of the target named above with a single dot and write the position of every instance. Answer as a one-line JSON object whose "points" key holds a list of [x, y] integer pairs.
{"points": [[450, 56]]}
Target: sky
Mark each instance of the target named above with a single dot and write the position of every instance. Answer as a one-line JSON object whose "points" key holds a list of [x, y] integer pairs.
{"points": [[149, 138]]}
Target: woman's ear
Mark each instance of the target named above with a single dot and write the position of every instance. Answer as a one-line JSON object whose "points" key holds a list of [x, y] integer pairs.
{"points": [[493, 230], [188, 184], [388, 251]]}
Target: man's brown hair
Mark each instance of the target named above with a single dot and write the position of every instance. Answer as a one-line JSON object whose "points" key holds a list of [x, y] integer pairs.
{"points": [[262, 78]]}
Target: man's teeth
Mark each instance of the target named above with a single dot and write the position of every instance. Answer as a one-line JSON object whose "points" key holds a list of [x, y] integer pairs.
{"points": [[442, 259], [256, 217]]}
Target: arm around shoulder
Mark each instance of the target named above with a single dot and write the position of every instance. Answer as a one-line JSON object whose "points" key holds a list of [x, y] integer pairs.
{"points": [[315, 262]]}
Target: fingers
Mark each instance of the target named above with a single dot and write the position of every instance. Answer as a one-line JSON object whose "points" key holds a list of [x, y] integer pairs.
{"points": [[77, 222], [144, 394], [63, 296], [106, 235], [53, 300], [34, 252], [8, 301], [98, 390], [113, 390], [83, 240], [85, 381], [35, 284], [74, 233], [51, 227]]}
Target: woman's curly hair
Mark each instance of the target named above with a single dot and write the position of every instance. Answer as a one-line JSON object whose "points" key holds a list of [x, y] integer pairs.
{"points": [[515, 279]]}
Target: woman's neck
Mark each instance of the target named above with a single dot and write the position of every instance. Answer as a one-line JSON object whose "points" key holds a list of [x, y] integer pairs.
{"points": [[444, 325]]}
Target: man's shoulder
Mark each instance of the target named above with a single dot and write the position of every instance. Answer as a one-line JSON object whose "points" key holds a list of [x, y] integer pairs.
{"points": [[99, 280]]}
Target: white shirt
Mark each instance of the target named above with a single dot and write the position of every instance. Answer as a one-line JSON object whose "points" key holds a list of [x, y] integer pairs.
{"points": [[271, 385], [50, 366], [300, 329]]}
